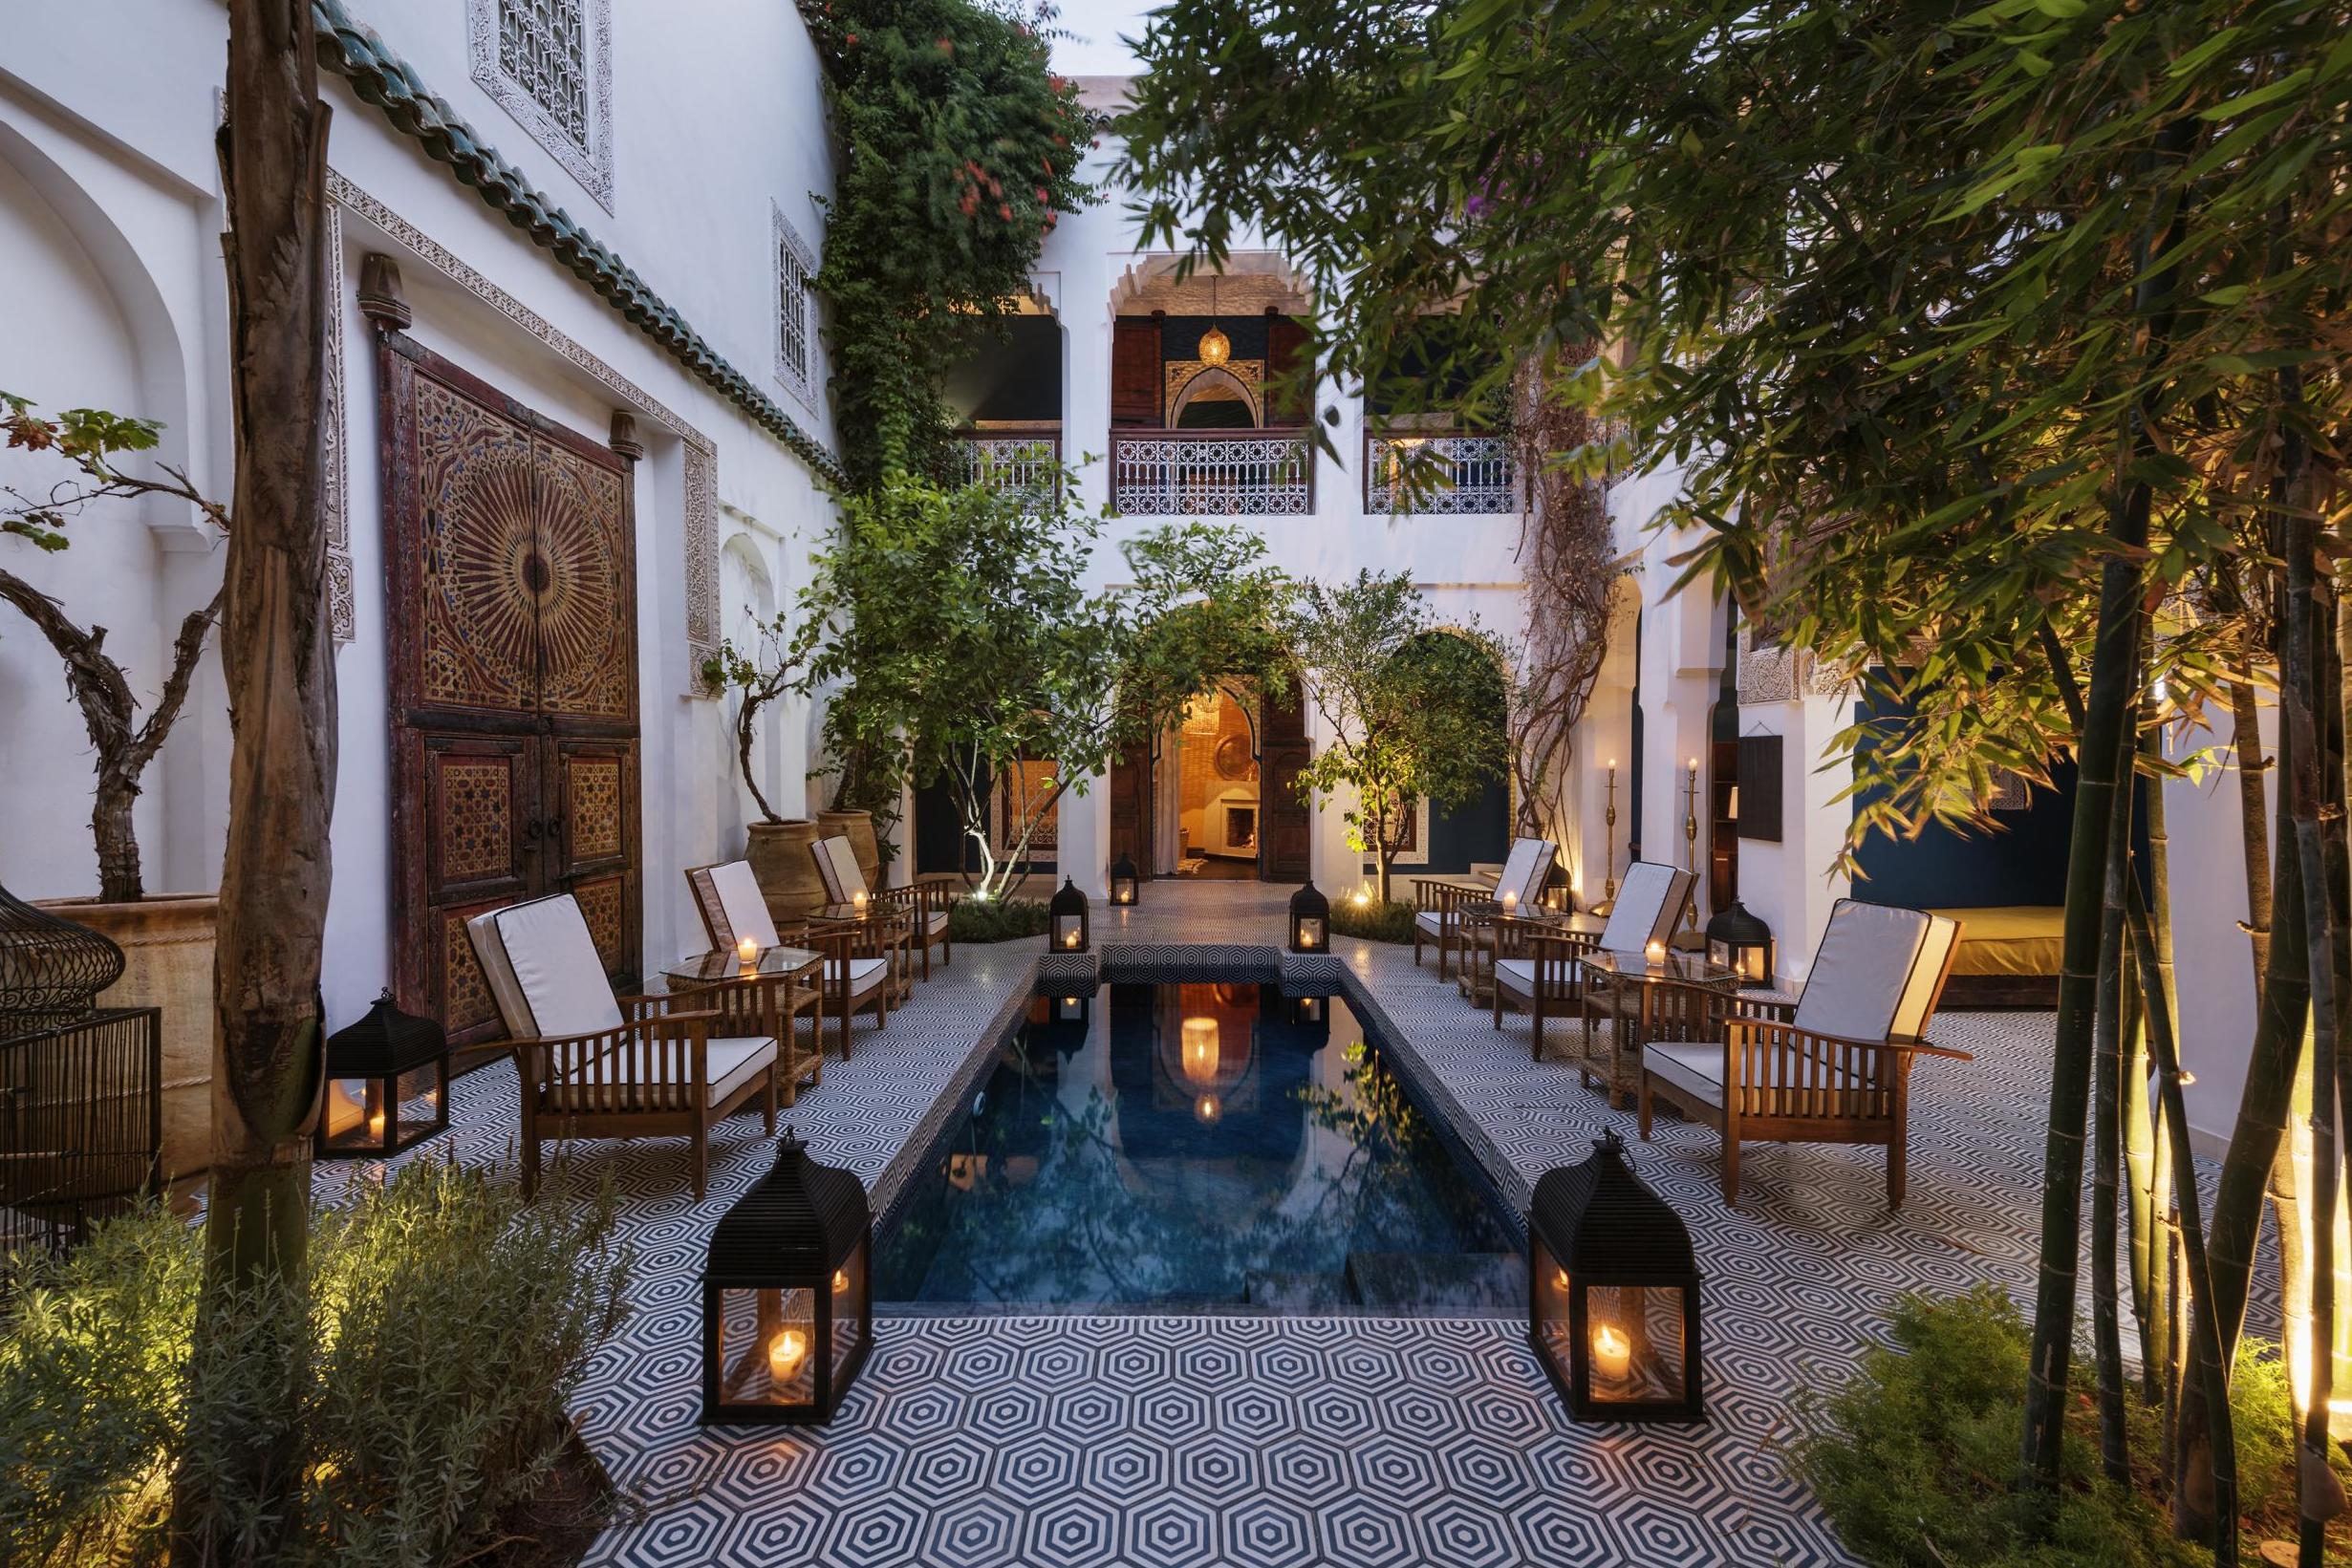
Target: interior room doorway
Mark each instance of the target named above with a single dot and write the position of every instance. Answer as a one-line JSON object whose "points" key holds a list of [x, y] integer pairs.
{"points": [[1211, 822]]}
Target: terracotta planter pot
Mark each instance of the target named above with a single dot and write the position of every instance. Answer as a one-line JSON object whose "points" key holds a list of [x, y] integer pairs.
{"points": [[166, 944], [859, 827], [785, 868]]}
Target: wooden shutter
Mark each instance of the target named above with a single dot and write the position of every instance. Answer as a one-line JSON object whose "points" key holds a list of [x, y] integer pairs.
{"points": [[1135, 372], [1131, 807], [1286, 840], [1286, 348]]}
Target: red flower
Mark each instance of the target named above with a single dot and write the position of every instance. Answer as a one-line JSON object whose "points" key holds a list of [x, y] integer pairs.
{"points": [[1005, 211]]}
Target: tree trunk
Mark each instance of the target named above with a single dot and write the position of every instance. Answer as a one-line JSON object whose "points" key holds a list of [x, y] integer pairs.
{"points": [[2105, 716], [278, 657], [2107, 1142], [121, 880], [2253, 822]]}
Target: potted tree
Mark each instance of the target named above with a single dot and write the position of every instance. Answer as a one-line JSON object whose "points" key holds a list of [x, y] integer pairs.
{"points": [[770, 664], [166, 940]]}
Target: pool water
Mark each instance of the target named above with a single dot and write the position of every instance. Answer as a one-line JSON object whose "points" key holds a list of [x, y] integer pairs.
{"points": [[1199, 1146]]}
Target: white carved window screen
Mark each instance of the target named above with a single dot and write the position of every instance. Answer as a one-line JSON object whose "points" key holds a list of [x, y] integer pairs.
{"points": [[796, 271], [543, 46]]}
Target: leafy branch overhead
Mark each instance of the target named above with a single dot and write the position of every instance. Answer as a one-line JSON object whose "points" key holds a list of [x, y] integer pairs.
{"points": [[959, 149]]}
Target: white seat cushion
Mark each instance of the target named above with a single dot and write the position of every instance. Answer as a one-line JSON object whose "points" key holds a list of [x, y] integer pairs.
{"points": [[1698, 1070], [1650, 901], [1515, 975], [837, 864], [936, 923], [865, 974], [1427, 921], [745, 906], [552, 963], [730, 1064], [1867, 972]]}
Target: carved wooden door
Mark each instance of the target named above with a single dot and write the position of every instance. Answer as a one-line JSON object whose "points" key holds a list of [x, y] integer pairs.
{"points": [[1286, 840], [514, 708]]}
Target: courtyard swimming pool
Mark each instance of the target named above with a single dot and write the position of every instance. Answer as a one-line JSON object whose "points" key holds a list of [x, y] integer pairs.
{"points": [[1207, 1144]]}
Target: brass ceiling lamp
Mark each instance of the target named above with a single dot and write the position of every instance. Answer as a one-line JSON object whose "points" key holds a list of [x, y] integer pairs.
{"points": [[1216, 347]]}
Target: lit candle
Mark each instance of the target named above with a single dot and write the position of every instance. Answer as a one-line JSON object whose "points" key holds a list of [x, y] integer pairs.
{"points": [[375, 1127], [841, 1281], [748, 951], [1655, 952], [1069, 938], [1559, 1278], [1200, 1050], [1612, 1353], [1070, 1002], [1206, 1109], [858, 899], [1510, 902], [786, 1353]]}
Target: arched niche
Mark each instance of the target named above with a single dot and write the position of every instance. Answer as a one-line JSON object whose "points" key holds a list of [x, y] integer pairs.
{"points": [[1216, 385]]}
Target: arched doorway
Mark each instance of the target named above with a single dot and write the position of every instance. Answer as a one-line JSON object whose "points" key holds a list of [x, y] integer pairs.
{"points": [[1216, 797]]}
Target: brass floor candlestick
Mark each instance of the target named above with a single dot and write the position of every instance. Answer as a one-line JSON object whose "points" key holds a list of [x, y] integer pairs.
{"points": [[1609, 843], [1690, 841]]}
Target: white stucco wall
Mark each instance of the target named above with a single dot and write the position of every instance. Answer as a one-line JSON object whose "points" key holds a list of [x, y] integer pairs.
{"points": [[109, 217]]}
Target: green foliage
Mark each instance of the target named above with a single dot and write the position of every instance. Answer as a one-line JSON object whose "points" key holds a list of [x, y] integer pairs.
{"points": [[1877, 278], [960, 150], [87, 437], [769, 664], [449, 1323], [996, 919], [1915, 1456], [1414, 711], [960, 640], [1378, 920]]}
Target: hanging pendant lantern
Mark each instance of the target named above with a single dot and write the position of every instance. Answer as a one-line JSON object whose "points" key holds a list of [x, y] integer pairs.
{"points": [[1216, 347]]}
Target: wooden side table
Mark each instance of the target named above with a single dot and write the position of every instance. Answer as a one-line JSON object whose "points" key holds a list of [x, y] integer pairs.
{"points": [[763, 997], [1674, 997]]}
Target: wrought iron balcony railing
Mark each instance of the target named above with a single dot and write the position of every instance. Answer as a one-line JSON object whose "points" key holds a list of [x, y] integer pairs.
{"points": [[1425, 475], [1026, 460], [1211, 473]]}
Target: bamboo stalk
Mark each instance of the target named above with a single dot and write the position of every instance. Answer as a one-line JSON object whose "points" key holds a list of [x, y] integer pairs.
{"points": [[2106, 1138]]}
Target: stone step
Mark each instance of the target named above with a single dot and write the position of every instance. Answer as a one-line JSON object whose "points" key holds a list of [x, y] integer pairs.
{"points": [[1299, 1293], [1426, 1283]]}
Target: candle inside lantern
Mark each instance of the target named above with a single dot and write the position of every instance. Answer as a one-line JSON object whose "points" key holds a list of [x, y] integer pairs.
{"points": [[1655, 953], [1612, 1353], [858, 899], [841, 1281], [375, 1127], [1202, 1049], [1069, 938], [786, 1353]]}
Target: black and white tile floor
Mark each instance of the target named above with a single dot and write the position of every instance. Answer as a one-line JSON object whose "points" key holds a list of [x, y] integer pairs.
{"points": [[1349, 1442]]}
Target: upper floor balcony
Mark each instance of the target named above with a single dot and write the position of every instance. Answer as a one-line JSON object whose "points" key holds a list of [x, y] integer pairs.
{"points": [[1415, 474], [1212, 473]]}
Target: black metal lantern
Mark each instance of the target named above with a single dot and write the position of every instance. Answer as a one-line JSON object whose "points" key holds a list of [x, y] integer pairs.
{"points": [[1123, 881], [387, 1085], [1613, 1293], [787, 1296], [1738, 940], [1312, 1013], [1069, 910], [1310, 921]]}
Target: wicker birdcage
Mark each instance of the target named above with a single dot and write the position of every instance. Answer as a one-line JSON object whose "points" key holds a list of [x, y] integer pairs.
{"points": [[51, 969]]}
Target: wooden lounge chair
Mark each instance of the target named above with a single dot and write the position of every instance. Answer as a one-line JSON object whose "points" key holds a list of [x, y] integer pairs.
{"points": [[926, 903], [855, 977], [1833, 1067], [597, 1065], [1443, 904], [1536, 965]]}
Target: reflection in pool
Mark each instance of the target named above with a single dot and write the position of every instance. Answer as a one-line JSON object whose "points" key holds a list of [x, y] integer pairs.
{"points": [[1199, 1145]]}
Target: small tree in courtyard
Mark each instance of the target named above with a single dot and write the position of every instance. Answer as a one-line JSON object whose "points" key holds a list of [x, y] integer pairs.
{"points": [[1414, 711], [91, 439]]}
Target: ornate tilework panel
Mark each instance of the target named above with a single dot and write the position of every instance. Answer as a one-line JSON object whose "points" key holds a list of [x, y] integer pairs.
{"points": [[586, 619], [601, 904], [480, 602], [465, 992], [334, 485], [593, 785], [476, 819]]}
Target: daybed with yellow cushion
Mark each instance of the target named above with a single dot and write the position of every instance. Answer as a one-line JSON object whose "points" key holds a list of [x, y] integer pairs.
{"points": [[2008, 958]]}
